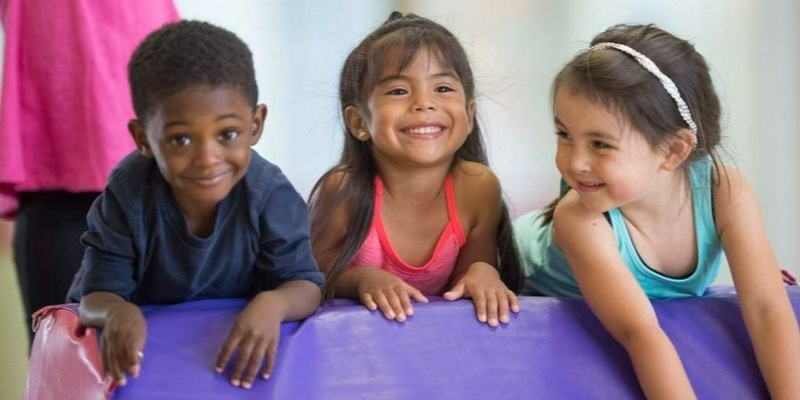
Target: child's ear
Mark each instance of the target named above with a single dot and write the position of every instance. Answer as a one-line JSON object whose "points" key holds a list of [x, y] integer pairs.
{"points": [[259, 117], [140, 137], [471, 105], [356, 123], [680, 147]]}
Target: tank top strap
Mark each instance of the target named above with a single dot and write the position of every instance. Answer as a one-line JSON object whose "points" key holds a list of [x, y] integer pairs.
{"points": [[378, 203], [450, 199], [452, 210]]}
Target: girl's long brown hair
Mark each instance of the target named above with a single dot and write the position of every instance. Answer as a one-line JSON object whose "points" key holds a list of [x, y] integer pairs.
{"points": [[411, 34]]}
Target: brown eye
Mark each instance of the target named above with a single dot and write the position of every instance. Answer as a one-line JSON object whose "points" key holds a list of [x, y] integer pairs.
{"points": [[397, 92], [600, 145], [229, 135], [180, 141]]}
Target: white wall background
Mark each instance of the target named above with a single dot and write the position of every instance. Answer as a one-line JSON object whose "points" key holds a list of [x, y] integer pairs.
{"points": [[517, 47]]}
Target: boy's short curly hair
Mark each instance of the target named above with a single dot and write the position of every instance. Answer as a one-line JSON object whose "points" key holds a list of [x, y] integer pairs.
{"points": [[187, 53]]}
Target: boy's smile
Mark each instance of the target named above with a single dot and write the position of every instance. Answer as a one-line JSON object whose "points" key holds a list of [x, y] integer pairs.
{"points": [[200, 138]]}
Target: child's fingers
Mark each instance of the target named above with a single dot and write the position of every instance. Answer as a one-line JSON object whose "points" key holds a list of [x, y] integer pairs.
{"points": [[369, 301], [405, 303], [503, 306], [514, 301], [245, 352], [104, 357], [272, 352], [456, 292], [417, 295], [114, 367], [134, 370], [137, 355], [491, 309], [389, 304], [479, 300], [397, 305], [383, 305], [253, 365], [131, 361], [225, 353]]}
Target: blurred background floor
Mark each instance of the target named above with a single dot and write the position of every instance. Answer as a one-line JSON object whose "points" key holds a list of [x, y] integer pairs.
{"points": [[13, 342]]}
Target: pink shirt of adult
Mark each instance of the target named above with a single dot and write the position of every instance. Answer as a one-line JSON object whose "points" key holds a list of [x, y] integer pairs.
{"points": [[65, 98]]}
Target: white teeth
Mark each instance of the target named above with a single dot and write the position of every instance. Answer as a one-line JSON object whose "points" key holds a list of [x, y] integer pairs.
{"points": [[426, 130]]}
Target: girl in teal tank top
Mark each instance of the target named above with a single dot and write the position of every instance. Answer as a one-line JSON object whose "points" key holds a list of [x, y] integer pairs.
{"points": [[648, 210]]}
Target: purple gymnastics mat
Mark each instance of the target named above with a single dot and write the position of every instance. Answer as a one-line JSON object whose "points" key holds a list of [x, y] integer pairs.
{"points": [[552, 349]]}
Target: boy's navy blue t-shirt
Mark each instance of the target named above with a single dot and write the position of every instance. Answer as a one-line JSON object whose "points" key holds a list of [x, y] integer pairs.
{"points": [[139, 247]]}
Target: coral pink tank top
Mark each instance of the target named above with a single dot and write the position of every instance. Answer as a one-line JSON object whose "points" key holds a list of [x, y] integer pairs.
{"points": [[432, 277]]}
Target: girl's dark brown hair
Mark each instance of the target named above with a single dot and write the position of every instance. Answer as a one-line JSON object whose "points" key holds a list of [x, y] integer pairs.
{"points": [[410, 34], [617, 81]]}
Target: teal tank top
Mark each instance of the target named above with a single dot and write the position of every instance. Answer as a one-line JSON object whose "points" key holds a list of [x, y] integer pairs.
{"points": [[547, 271]]}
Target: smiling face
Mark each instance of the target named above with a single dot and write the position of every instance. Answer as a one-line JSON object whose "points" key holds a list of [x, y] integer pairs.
{"points": [[200, 138], [419, 116], [606, 161]]}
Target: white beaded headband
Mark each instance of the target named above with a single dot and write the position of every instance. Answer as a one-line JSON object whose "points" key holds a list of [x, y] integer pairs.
{"points": [[668, 84]]}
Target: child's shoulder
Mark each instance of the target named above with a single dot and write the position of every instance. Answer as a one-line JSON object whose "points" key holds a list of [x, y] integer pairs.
{"points": [[133, 173], [331, 182], [571, 212], [263, 176], [260, 168], [471, 175], [733, 194], [726, 176], [477, 189], [578, 230], [133, 163]]}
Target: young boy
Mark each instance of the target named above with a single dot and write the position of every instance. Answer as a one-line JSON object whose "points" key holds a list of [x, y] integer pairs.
{"points": [[195, 213]]}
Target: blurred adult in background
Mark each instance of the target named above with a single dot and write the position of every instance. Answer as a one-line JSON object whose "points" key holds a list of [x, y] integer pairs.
{"points": [[63, 125]]}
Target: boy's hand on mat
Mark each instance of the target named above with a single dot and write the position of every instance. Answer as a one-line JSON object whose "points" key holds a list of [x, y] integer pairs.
{"points": [[382, 290], [491, 297], [255, 334], [124, 335]]}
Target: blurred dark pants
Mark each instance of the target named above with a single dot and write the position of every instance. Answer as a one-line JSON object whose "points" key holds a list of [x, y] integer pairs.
{"points": [[47, 248]]}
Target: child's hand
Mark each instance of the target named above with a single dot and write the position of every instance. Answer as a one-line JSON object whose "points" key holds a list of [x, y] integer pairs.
{"points": [[124, 336], [255, 333], [490, 295], [380, 289]]}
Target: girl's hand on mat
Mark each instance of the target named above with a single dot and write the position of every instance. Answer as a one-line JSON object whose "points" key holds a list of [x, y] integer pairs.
{"points": [[491, 297], [382, 290]]}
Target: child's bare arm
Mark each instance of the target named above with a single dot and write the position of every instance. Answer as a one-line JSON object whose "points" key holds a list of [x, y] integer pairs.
{"points": [[617, 300], [479, 198], [374, 287], [124, 332], [766, 309], [256, 332]]}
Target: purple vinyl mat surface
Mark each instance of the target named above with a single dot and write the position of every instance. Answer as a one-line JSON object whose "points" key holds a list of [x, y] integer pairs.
{"points": [[552, 349]]}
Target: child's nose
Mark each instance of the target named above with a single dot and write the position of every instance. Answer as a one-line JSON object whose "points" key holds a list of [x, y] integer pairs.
{"points": [[207, 153], [579, 161], [423, 102]]}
